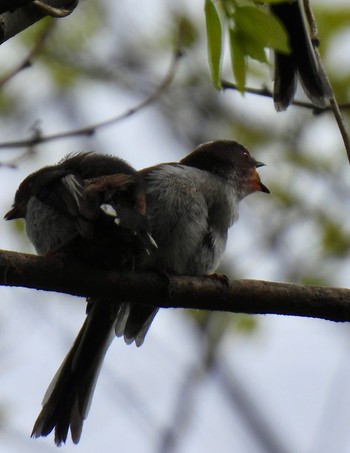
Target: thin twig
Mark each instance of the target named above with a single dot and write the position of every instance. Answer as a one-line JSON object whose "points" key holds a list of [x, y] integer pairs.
{"points": [[333, 101], [34, 52], [13, 163], [265, 92], [90, 130]]}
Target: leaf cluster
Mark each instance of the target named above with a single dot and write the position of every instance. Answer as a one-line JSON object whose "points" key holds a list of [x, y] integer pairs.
{"points": [[251, 29]]}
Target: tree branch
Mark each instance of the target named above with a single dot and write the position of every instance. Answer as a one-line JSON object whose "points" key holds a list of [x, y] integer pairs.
{"points": [[12, 5], [23, 14], [240, 296]]}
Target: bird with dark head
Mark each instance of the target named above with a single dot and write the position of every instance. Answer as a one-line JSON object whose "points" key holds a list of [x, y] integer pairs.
{"points": [[89, 208], [173, 218]]}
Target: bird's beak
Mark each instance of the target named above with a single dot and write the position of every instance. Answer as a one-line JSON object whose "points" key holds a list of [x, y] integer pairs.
{"points": [[259, 164], [263, 188], [258, 185], [13, 213]]}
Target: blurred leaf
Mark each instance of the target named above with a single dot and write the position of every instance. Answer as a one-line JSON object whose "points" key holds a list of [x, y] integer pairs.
{"points": [[238, 59], [245, 324], [314, 280], [254, 50], [331, 20], [335, 240], [31, 35], [187, 31], [221, 322], [252, 29], [8, 103], [19, 226], [283, 196], [259, 27], [276, 1], [63, 74], [214, 41]]}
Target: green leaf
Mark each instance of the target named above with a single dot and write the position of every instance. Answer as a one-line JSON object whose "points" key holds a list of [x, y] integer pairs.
{"points": [[261, 27], [254, 49], [214, 40], [276, 1], [238, 59]]}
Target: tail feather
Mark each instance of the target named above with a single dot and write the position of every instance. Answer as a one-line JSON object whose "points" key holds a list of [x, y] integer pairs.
{"points": [[134, 321], [68, 398], [301, 62]]}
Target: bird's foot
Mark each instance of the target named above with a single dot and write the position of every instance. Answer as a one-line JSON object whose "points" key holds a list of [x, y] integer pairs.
{"points": [[221, 278]]}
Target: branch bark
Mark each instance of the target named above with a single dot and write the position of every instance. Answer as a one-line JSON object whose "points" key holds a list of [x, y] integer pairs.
{"points": [[240, 296], [26, 13]]}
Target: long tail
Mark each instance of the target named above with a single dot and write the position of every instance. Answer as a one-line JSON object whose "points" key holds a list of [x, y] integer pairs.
{"points": [[68, 397], [301, 61], [67, 400]]}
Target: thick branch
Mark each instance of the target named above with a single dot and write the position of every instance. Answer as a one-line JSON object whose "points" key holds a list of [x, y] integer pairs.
{"points": [[241, 296]]}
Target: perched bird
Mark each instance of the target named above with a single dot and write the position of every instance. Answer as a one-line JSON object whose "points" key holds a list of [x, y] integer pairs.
{"points": [[67, 206], [189, 206], [300, 63], [89, 208]]}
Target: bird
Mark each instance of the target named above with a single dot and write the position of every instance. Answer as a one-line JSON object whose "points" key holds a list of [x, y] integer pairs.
{"points": [[301, 63], [67, 204], [186, 210], [88, 208]]}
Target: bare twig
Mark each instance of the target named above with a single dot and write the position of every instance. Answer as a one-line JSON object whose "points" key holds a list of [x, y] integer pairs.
{"points": [[341, 124], [265, 92], [333, 101], [37, 48], [241, 296], [90, 130], [13, 163]]}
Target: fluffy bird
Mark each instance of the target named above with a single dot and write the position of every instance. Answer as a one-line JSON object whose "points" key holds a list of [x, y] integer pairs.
{"points": [[173, 218]]}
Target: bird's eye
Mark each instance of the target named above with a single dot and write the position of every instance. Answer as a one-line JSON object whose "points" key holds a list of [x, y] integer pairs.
{"points": [[246, 154]]}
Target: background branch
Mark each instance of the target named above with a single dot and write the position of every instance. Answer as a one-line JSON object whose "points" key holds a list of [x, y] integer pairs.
{"points": [[27, 61], [240, 296], [91, 129]]}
